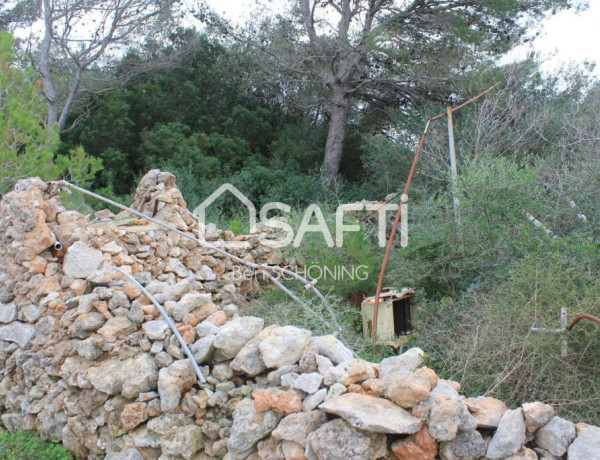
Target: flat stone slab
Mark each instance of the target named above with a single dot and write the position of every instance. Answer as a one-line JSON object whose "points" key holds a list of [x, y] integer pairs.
{"points": [[373, 414]]}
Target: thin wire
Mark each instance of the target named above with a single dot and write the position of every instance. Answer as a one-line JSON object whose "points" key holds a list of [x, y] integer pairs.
{"points": [[169, 321]]}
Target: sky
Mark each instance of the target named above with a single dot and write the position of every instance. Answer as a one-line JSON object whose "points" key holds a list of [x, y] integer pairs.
{"points": [[565, 37]]}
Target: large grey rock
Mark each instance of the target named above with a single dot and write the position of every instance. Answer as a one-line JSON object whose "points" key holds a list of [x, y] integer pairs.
{"points": [[466, 445], [407, 361], [87, 349], [19, 333], [206, 328], [509, 437], [173, 381], [31, 313], [249, 360], [8, 312], [184, 441], [297, 427], [250, 426], [202, 349], [81, 260], [586, 446], [128, 377], [188, 303], [312, 401], [448, 413], [156, 330], [284, 346], [86, 323], [555, 436], [332, 348], [308, 383], [233, 335], [163, 423], [127, 454], [372, 414], [118, 326], [337, 440]]}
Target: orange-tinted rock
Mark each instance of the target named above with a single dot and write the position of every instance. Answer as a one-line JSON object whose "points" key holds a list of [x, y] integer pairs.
{"points": [[283, 403], [36, 265], [133, 414], [131, 290], [102, 308], [218, 318], [149, 310], [293, 451], [188, 333], [49, 285], [409, 389], [537, 414], [430, 374], [420, 446], [487, 411], [349, 372], [78, 287], [374, 387]]}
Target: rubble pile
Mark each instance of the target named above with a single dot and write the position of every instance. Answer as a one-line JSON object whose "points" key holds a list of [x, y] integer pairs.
{"points": [[86, 358]]}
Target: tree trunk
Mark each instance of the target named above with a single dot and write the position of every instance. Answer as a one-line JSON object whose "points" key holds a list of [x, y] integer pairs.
{"points": [[48, 87], [337, 132]]}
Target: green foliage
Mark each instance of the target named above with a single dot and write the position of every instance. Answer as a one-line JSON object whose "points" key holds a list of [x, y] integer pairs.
{"points": [[26, 145], [78, 166], [23, 445]]}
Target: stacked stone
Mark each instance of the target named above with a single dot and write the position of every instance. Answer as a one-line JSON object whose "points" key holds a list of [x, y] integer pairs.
{"points": [[94, 365]]}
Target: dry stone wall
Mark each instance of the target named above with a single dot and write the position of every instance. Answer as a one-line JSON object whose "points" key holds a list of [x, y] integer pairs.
{"points": [[87, 359]]}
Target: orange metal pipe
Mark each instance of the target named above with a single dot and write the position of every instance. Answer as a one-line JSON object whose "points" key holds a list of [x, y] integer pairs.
{"points": [[580, 317]]}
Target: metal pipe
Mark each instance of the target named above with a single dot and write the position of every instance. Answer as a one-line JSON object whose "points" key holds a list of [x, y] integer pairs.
{"points": [[169, 321], [580, 317], [543, 329], [453, 167], [392, 237]]}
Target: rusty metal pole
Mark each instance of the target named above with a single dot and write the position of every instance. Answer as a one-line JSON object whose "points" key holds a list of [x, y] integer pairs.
{"points": [[391, 239]]}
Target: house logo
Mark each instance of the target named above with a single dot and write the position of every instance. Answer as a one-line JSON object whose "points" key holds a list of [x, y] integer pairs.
{"points": [[200, 211]]}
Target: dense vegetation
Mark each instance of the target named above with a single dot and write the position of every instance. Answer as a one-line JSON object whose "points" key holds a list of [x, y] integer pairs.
{"points": [[203, 108]]}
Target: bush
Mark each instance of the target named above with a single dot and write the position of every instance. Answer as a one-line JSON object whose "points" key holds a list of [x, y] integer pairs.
{"points": [[483, 338]]}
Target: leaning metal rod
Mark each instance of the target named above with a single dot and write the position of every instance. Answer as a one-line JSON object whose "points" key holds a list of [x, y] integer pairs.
{"points": [[254, 266], [392, 237], [169, 321]]}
